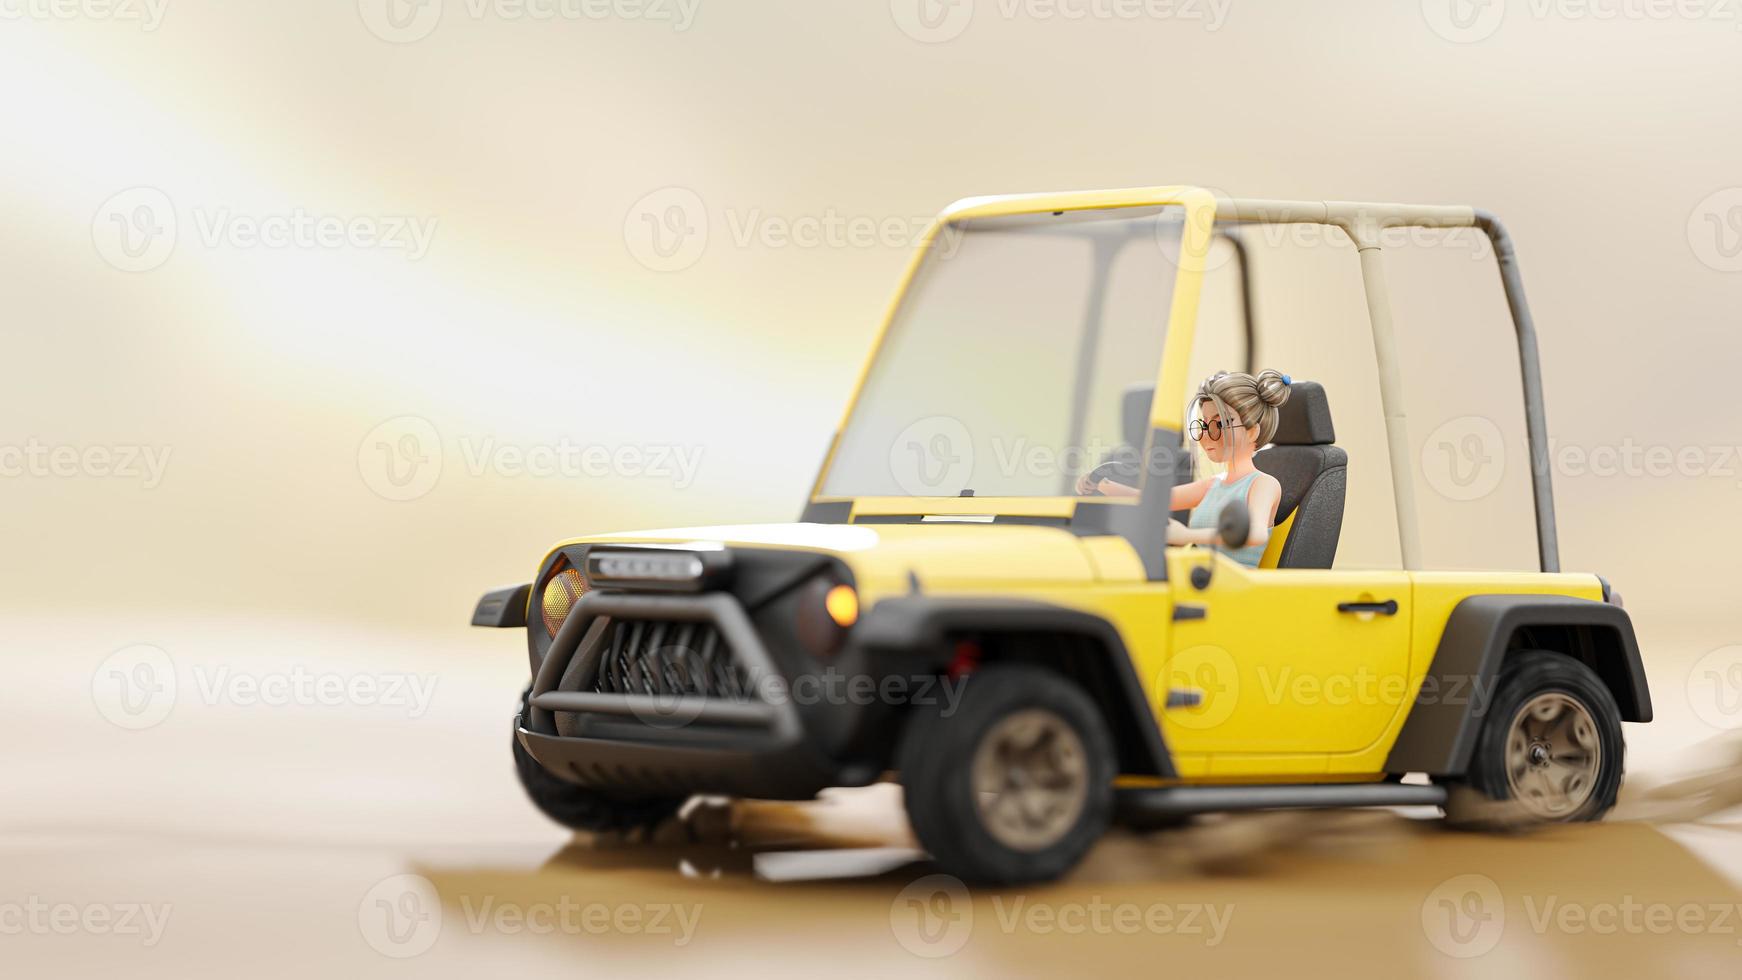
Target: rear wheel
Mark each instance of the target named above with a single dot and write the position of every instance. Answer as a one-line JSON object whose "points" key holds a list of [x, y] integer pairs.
{"points": [[579, 808], [1550, 749], [1015, 784]]}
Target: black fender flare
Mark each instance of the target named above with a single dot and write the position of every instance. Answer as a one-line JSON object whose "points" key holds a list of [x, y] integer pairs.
{"points": [[1446, 716], [918, 629]]}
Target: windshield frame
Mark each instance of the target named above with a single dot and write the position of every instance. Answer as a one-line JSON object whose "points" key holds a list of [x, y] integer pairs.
{"points": [[1166, 412]]}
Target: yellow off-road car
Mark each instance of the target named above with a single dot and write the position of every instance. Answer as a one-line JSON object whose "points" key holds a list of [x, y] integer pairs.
{"points": [[1033, 664]]}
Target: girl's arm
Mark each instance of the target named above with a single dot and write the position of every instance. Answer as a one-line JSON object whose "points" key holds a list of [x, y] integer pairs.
{"points": [[1189, 495], [1262, 498]]}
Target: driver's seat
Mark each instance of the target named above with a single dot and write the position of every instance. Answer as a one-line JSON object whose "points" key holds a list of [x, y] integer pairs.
{"points": [[1314, 473], [1303, 458]]}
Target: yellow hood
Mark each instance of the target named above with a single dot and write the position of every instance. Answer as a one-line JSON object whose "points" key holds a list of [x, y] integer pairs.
{"points": [[945, 556]]}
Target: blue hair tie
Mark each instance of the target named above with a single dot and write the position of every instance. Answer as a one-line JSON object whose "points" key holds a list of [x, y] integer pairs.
{"points": [[1286, 381]]}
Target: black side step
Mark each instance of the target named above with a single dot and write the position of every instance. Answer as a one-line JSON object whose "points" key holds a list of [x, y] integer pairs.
{"points": [[1142, 805]]}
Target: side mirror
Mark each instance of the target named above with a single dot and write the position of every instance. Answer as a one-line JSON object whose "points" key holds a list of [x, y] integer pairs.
{"points": [[1233, 528], [1234, 525]]}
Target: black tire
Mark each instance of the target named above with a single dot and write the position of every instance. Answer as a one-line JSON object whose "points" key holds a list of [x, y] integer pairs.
{"points": [[1484, 797], [579, 808], [937, 756]]}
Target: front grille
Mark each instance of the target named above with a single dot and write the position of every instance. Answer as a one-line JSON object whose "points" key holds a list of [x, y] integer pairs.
{"points": [[671, 658]]}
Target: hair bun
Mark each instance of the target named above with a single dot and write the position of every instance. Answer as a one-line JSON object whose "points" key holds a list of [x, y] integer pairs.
{"points": [[1273, 387]]}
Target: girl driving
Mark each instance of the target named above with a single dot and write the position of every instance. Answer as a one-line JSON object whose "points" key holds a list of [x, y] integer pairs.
{"points": [[1235, 415]]}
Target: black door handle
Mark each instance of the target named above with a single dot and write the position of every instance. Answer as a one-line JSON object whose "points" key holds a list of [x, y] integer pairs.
{"points": [[1386, 608]]}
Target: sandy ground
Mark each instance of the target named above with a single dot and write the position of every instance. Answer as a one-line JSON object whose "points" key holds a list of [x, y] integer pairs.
{"points": [[249, 827]]}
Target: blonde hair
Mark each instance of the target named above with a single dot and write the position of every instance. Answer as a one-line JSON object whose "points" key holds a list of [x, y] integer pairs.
{"points": [[1253, 400]]}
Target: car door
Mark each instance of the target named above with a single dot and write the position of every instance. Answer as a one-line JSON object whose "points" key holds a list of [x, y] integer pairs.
{"points": [[1278, 672]]}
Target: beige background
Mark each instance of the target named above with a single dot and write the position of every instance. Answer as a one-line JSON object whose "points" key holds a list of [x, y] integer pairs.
{"points": [[542, 315]]}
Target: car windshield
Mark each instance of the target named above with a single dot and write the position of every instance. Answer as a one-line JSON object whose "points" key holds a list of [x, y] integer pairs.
{"points": [[1006, 368]]}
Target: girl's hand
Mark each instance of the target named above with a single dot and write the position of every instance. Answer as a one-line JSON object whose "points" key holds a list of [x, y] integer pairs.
{"points": [[1177, 533], [1085, 485]]}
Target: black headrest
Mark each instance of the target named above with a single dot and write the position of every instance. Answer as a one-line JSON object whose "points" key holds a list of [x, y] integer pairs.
{"points": [[1305, 419], [1134, 414]]}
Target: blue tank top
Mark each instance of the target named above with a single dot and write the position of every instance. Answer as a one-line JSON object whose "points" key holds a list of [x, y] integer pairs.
{"points": [[1215, 498]]}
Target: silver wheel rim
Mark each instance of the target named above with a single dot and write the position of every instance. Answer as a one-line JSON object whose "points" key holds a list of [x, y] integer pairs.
{"points": [[1553, 755], [1031, 779]]}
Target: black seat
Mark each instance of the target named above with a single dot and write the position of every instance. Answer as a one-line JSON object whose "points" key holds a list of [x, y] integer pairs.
{"points": [[1314, 473], [1303, 458]]}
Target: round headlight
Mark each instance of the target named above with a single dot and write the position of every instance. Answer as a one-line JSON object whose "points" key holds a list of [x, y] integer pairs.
{"points": [[826, 610], [564, 589], [842, 604]]}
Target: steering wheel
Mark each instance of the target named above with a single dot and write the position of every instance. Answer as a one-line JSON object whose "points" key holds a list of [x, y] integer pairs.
{"points": [[1121, 468]]}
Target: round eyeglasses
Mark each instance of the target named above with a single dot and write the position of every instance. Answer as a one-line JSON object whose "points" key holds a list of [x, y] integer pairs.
{"points": [[1214, 427]]}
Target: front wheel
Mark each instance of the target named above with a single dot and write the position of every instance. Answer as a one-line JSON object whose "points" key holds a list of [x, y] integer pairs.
{"points": [[579, 808], [1550, 748], [1015, 784]]}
